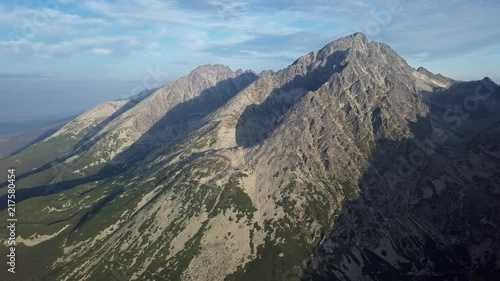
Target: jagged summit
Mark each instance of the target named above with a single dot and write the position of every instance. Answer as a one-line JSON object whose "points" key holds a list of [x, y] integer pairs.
{"points": [[353, 42], [266, 73], [357, 36], [356, 40], [488, 81], [215, 70], [424, 71], [213, 67]]}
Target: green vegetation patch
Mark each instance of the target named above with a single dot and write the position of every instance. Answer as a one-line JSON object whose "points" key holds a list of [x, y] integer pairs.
{"points": [[232, 197]]}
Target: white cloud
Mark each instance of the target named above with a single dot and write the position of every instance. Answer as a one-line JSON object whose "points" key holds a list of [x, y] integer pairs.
{"points": [[417, 58], [101, 52], [213, 30], [40, 17], [39, 49]]}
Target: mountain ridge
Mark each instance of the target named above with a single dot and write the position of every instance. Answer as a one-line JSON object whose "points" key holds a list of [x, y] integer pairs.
{"points": [[295, 174]]}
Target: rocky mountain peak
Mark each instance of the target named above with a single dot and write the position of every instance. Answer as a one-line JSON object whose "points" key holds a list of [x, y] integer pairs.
{"points": [[209, 70], [346, 165], [354, 41], [423, 70], [426, 72], [358, 37], [489, 81]]}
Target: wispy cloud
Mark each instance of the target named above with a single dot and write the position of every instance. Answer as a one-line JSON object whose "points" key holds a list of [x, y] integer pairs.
{"points": [[445, 30], [210, 26], [101, 51], [25, 47], [22, 75]]}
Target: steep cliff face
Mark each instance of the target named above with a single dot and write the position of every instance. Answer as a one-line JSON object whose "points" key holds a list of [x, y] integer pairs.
{"points": [[346, 165], [431, 216]]}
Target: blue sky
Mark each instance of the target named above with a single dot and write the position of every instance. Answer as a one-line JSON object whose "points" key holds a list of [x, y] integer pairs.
{"points": [[63, 56]]}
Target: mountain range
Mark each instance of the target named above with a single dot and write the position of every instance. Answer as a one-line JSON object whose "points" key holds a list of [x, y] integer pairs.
{"points": [[348, 164]]}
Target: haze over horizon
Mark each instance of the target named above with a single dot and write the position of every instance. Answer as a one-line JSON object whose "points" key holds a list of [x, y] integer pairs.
{"points": [[61, 57]]}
